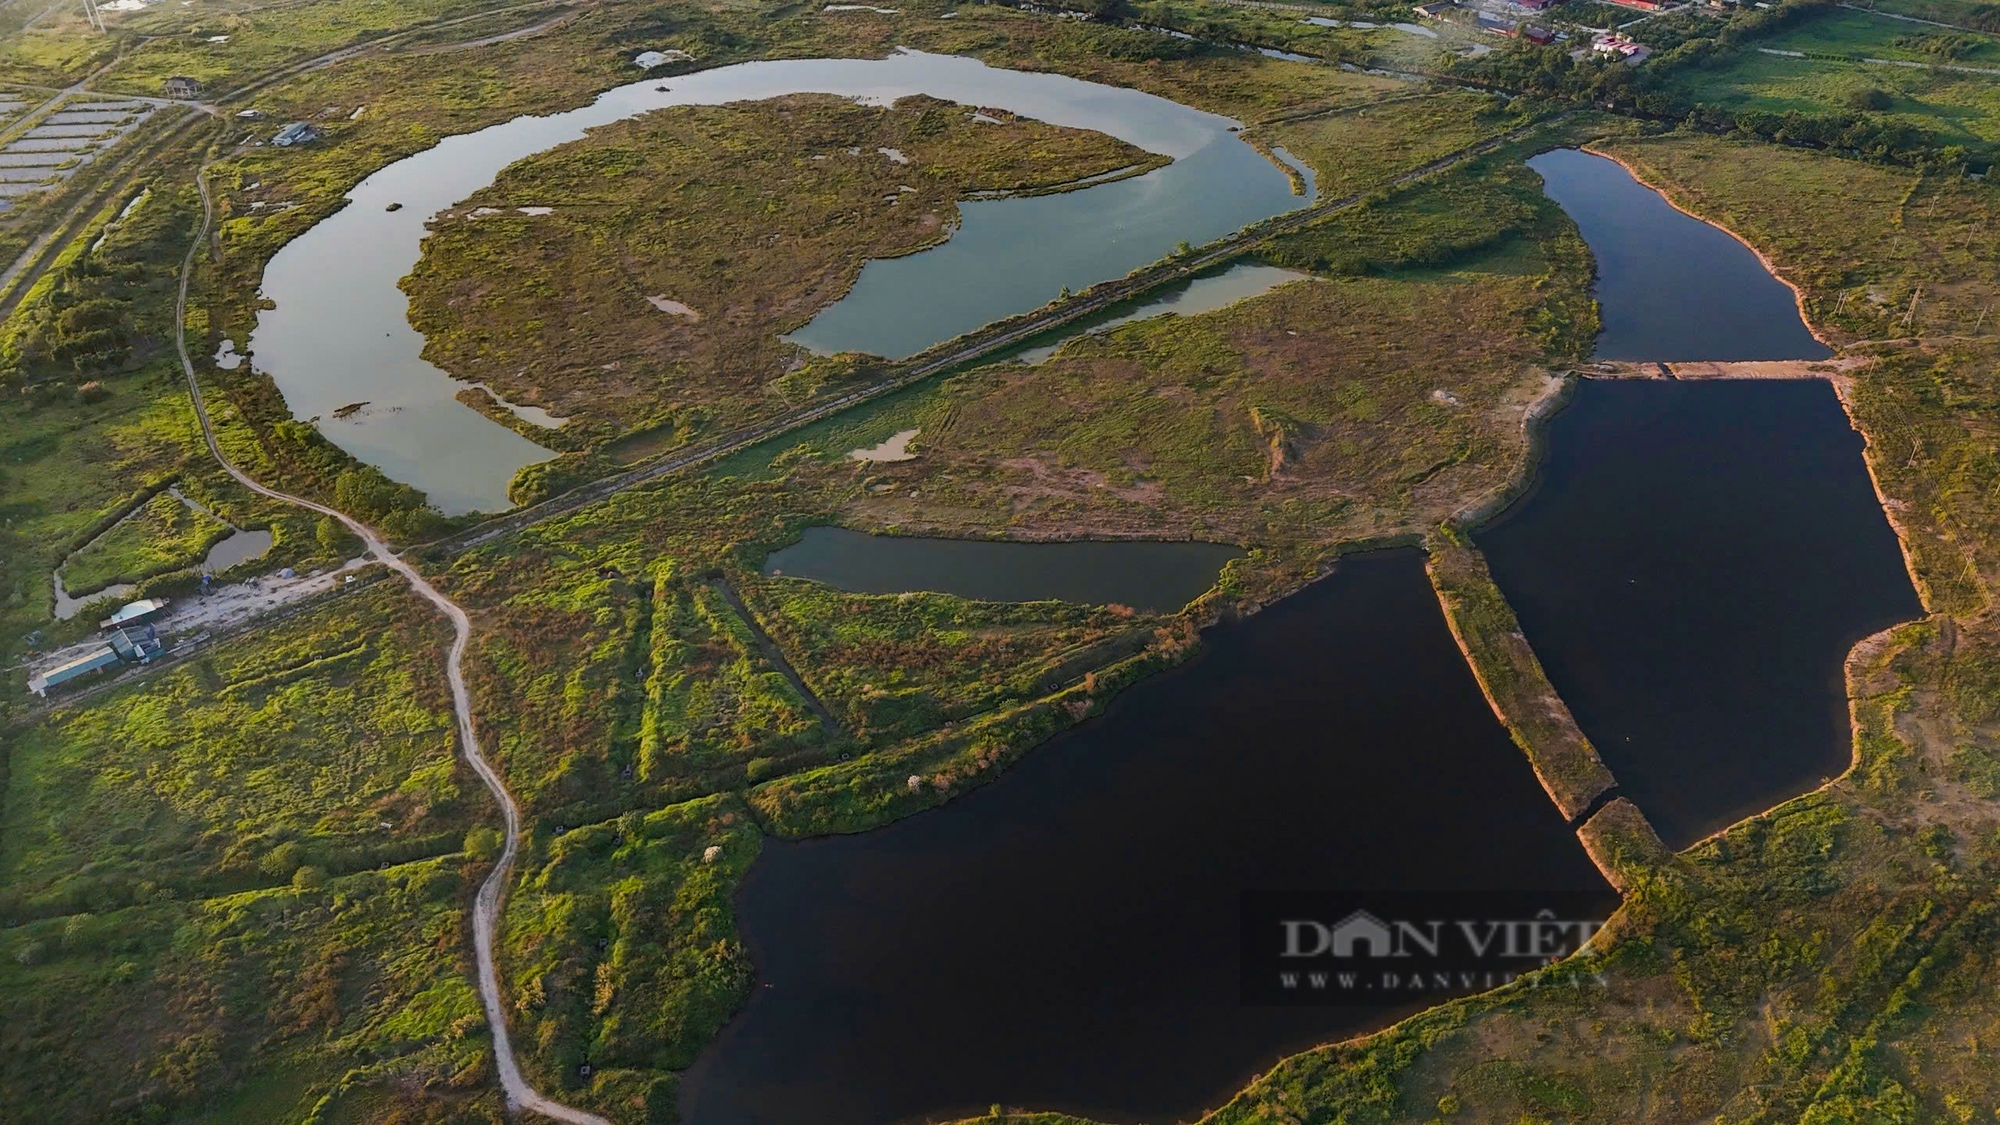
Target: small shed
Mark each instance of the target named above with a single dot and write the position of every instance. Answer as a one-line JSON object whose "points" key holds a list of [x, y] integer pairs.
{"points": [[137, 644], [183, 87], [1433, 11], [1494, 25], [135, 613], [1538, 35], [297, 133], [74, 670]]}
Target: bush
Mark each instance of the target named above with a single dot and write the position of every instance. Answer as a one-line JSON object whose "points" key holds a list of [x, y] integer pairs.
{"points": [[1871, 99]]}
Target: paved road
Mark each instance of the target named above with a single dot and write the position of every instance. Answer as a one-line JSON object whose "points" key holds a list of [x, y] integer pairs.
{"points": [[486, 908]]}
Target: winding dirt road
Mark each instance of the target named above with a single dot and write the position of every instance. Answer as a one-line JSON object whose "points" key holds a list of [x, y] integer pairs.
{"points": [[486, 907]]}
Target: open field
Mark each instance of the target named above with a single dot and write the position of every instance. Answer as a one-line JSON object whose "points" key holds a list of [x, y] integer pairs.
{"points": [[251, 865], [1956, 107]]}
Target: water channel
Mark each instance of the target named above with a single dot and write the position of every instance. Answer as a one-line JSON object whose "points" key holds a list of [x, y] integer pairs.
{"points": [[1669, 286], [1066, 937], [340, 334]]}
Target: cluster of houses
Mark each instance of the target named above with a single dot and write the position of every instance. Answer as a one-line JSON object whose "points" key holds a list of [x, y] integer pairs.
{"points": [[129, 639], [1622, 47], [1609, 44]]}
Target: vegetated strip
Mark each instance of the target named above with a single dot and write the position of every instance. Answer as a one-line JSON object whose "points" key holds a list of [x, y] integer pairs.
{"points": [[354, 50], [1621, 842], [1512, 678], [486, 905], [774, 654], [972, 346]]}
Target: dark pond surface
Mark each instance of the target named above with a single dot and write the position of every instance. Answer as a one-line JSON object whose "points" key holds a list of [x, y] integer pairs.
{"points": [[1150, 576], [1066, 936], [1692, 568], [1669, 286]]}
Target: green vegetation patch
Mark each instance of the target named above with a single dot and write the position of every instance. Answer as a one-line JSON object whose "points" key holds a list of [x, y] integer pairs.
{"points": [[897, 666], [1900, 253], [1512, 677], [1364, 148], [163, 534], [327, 1000], [325, 742], [621, 945]]}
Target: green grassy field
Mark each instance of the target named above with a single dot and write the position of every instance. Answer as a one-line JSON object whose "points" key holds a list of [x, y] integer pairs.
{"points": [[1958, 108], [163, 534]]}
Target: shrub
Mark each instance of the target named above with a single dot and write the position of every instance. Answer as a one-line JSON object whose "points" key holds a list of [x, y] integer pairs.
{"points": [[1871, 99]]}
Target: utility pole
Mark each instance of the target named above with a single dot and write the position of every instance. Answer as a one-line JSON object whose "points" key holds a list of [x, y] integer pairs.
{"points": [[96, 20]]}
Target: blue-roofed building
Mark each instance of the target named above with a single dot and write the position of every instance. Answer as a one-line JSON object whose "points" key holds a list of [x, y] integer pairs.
{"points": [[74, 670], [297, 133], [137, 644]]}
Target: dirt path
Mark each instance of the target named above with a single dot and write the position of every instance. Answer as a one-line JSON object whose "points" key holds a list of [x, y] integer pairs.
{"points": [[486, 908]]}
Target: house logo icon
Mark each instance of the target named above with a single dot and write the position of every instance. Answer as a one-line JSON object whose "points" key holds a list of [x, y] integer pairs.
{"points": [[1362, 931]]}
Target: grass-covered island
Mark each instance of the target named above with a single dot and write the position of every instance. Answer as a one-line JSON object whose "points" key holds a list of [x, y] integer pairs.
{"points": [[242, 884]]}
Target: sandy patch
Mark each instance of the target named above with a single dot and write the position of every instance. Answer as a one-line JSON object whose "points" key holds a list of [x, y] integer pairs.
{"points": [[897, 448], [647, 60], [536, 210], [895, 155], [1766, 368], [674, 307]]}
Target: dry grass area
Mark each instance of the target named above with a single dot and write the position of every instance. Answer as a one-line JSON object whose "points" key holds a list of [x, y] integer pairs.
{"points": [[1324, 411], [742, 221]]}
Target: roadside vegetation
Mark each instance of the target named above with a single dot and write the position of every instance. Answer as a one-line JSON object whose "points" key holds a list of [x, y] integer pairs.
{"points": [[238, 884]]}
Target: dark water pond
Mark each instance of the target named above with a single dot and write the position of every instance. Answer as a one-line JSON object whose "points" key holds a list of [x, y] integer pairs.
{"points": [[1669, 286], [1150, 576], [1692, 568], [1066, 937]]}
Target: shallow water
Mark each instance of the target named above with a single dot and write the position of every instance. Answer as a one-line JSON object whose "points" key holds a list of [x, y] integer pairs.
{"points": [[237, 547], [67, 607], [1203, 294], [1692, 568], [340, 333], [1669, 286], [1066, 937], [1150, 576]]}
